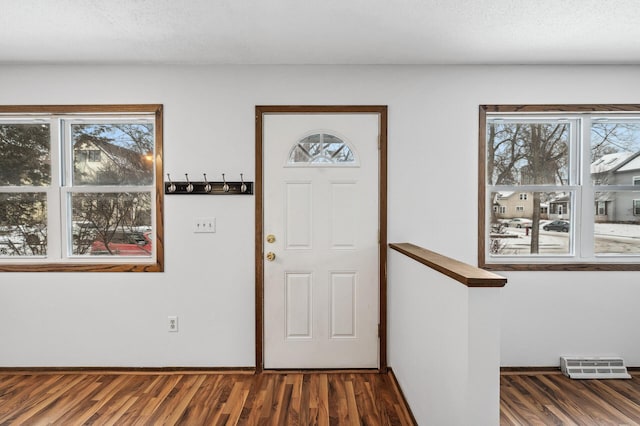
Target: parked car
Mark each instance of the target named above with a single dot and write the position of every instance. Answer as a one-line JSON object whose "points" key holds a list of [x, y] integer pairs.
{"points": [[123, 243], [557, 225], [519, 222]]}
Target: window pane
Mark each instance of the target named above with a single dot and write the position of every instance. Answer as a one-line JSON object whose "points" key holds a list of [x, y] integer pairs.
{"points": [[23, 224], [539, 225], [112, 154], [321, 149], [615, 151], [111, 224], [25, 155], [617, 222], [527, 153]]}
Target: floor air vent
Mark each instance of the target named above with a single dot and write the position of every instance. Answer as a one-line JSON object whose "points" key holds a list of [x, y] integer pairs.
{"points": [[593, 367]]}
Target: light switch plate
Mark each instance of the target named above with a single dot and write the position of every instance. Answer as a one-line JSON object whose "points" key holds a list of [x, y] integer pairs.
{"points": [[204, 225]]}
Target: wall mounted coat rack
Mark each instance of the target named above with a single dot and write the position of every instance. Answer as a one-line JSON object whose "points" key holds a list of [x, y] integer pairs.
{"points": [[205, 187]]}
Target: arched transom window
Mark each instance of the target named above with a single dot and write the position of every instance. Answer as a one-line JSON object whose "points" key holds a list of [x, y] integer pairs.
{"points": [[321, 149]]}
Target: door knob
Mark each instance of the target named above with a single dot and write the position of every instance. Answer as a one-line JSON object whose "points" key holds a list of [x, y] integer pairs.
{"points": [[271, 238], [271, 256]]}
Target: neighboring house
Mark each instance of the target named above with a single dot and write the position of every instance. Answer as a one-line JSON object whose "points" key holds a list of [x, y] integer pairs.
{"points": [[603, 168], [559, 207], [617, 169], [101, 162], [621, 168], [508, 205], [98, 162]]}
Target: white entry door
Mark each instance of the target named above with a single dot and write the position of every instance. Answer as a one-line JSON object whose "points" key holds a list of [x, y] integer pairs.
{"points": [[321, 286]]}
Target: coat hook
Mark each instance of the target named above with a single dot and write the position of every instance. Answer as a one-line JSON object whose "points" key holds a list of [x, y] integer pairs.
{"points": [[189, 184], [243, 187], [225, 187], [207, 185], [171, 187]]}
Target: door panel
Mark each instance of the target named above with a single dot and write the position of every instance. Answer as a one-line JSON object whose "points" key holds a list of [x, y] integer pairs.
{"points": [[298, 304], [321, 290], [343, 305]]}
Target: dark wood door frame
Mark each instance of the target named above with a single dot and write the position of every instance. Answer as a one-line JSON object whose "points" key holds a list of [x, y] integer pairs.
{"points": [[260, 111]]}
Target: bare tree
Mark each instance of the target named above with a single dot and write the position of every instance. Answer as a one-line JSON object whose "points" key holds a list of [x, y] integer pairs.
{"points": [[609, 138], [24, 161], [102, 215], [547, 156], [528, 154], [126, 159]]}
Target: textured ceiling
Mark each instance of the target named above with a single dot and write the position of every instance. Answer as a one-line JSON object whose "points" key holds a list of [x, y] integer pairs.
{"points": [[320, 32]]}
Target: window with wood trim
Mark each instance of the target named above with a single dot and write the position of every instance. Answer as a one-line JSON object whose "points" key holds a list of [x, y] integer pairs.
{"points": [[578, 164], [80, 188]]}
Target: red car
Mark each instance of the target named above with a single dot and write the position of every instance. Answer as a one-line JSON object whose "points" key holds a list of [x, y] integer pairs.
{"points": [[127, 243]]}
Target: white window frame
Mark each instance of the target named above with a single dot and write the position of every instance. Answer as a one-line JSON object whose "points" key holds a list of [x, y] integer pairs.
{"points": [[59, 234], [580, 189]]}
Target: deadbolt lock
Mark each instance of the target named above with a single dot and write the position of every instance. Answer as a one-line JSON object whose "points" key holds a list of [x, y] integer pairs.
{"points": [[271, 256], [271, 238]]}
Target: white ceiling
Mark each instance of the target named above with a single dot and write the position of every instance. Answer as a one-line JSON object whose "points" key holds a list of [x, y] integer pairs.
{"points": [[320, 31]]}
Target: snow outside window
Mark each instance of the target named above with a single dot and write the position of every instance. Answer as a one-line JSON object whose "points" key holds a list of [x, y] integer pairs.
{"points": [[579, 170]]}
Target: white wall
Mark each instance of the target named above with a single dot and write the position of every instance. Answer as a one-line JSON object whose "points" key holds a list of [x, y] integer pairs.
{"points": [[444, 345], [429, 340], [120, 319]]}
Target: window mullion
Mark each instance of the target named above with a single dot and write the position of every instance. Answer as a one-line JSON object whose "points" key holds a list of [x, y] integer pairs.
{"points": [[54, 220], [66, 172], [585, 215]]}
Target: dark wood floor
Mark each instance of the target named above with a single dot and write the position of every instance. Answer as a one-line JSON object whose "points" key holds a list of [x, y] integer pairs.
{"points": [[200, 399], [553, 399]]}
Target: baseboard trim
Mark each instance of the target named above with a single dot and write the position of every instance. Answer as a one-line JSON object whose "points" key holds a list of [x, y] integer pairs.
{"points": [[319, 370], [529, 370], [405, 404], [127, 370]]}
